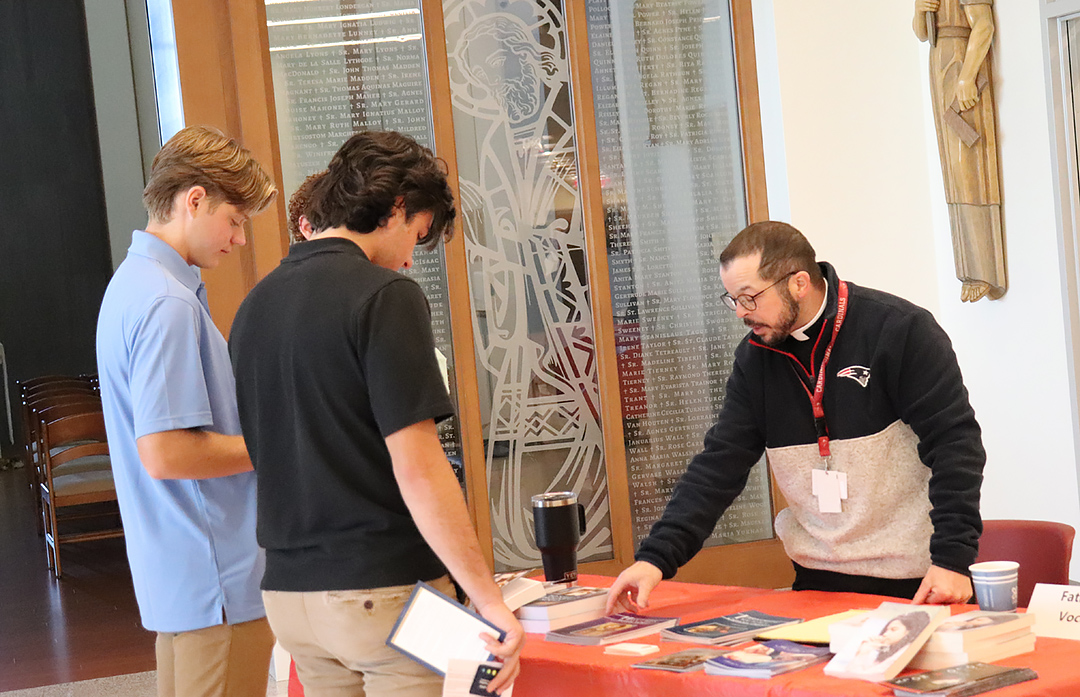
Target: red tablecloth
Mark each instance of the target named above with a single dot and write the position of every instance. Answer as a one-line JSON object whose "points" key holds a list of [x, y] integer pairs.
{"points": [[552, 670]]}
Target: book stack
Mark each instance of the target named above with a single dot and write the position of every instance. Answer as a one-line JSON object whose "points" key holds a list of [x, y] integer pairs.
{"points": [[561, 608], [965, 680], [884, 641], [607, 630], [766, 659], [977, 636], [726, 630]]}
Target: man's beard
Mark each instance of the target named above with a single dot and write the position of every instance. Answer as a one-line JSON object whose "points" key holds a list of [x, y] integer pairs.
{"points": [[784, 325]]}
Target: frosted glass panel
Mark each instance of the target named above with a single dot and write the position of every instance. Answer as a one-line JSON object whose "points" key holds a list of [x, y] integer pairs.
{"points": [[525, 241]]}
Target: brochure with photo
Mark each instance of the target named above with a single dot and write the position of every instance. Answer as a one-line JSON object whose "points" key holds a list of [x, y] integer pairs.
{"points": [[885, 643], [727, 629], [612, 628], [766, 659], [685, 661]]}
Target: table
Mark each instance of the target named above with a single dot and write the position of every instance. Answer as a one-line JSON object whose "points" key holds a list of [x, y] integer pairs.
{"points": [[549, 669]]}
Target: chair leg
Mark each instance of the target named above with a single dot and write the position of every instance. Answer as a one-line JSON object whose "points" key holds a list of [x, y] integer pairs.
{"points": [[55, 541], [35, 485], [49, 523]]}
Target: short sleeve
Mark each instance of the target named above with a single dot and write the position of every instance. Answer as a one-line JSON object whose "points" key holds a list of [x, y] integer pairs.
{"points": [[405, 384], [168, 388]]}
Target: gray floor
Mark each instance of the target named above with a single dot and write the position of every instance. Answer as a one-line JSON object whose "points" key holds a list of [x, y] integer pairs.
{"points": [[135, 685]]}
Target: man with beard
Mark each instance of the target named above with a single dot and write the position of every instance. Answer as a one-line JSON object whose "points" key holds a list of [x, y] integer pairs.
{"points": [[857, 399]]}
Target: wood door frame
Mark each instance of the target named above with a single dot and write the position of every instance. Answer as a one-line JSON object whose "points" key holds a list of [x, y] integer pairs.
{"points": [[223, 51]]}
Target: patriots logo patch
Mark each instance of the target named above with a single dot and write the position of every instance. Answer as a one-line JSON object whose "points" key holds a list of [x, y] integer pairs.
{"points": [[857, 373]]}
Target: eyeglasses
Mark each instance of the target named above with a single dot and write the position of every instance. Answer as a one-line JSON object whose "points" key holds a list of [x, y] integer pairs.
{"points": [[749, 302]]}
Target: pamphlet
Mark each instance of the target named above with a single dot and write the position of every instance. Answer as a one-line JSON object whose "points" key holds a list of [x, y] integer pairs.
{"points": [[727, 629], [610, 629], [433, 628], [684, 661], [764, 660]]}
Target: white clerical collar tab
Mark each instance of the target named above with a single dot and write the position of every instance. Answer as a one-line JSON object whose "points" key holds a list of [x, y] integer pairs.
{"points": [[800, 333]]}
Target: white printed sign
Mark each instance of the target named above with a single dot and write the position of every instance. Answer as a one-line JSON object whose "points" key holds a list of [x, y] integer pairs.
{"points": [[1057, 610]]}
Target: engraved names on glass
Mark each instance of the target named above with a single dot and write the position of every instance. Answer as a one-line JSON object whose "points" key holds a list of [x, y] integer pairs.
{"points": [[673, 191], [344, 66]]}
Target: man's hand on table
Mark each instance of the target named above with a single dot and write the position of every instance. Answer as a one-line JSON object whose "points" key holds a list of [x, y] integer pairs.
{"points": [[641, 577], [942, 587], [509, 649]]}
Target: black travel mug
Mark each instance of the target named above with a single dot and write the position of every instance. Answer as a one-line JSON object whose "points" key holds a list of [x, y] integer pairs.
{"points": [[560, 523]]}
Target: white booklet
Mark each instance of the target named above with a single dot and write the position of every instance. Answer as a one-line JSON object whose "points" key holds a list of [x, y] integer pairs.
{"points": [[433, 629], [886, 640]]}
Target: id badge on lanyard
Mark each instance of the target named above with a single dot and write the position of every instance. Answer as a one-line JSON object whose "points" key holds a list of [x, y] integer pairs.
{"points": [[829, 486]]}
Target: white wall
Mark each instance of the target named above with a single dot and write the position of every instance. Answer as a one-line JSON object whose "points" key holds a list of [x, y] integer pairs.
{"points": [[863, 181]]}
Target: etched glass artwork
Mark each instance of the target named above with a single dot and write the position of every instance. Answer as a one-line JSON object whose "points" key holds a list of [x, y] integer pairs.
{"points": [[667, 122], [340, 67], [525, 241]]}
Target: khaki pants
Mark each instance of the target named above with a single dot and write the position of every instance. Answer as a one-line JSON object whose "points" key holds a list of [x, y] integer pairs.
{"points": [[227, 660], [338, 641]]}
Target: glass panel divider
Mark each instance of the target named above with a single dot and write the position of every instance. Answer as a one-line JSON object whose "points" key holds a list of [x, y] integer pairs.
{"points": [[599, 284], [461, 328]]}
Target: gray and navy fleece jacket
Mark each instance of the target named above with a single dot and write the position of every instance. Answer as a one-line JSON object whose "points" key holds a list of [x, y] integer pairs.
{"points": [[900, 426]]}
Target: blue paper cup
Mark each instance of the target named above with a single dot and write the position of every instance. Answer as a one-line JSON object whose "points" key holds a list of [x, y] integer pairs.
{"points": [[995, 585]]}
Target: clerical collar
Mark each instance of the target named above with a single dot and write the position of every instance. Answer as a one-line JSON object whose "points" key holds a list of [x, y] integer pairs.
{"points": [[800, 333]]}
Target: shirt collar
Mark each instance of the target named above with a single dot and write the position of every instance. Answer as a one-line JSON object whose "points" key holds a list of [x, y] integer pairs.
{"points": [[800, 333], [323, 245], [144, 244]]}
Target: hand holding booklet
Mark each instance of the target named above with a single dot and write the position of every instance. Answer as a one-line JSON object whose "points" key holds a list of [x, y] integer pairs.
{"points": [[433, 629]]}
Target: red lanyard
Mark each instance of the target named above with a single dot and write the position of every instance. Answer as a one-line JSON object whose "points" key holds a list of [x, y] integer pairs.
{"points": [[819, 388]]}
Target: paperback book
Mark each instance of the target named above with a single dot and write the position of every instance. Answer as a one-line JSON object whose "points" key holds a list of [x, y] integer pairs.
{"points": [[545, 626], [994, 651], [685, 661], [571, 600], [764, 660], [970, 628], [610, 629], [727, 629], [960, 681], [886, 641]]}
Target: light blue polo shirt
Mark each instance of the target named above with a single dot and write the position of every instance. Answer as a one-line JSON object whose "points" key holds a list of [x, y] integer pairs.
{"points": [[163, 365]]}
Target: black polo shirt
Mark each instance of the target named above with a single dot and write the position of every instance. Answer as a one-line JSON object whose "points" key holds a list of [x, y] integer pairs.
{"points": [[332, 354]]}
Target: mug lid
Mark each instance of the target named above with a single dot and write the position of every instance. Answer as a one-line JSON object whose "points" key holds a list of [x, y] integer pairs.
{"points": [[553, 499]]}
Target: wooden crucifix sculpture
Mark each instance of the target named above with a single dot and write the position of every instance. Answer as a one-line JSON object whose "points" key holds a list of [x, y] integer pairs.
{"points": [[960, 33]]}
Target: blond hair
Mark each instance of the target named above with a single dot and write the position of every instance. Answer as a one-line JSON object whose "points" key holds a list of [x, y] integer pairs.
{"points": [[201, 156]]}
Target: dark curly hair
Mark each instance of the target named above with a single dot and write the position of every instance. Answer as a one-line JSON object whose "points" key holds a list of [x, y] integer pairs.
{"points": [[367, 176], [298, 204]]}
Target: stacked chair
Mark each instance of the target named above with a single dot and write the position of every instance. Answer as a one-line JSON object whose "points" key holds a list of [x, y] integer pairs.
{"points": [[68, 459]]}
